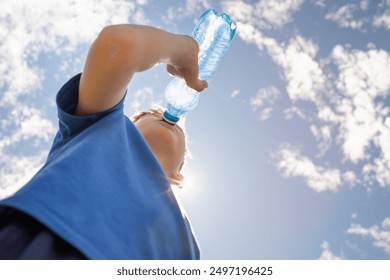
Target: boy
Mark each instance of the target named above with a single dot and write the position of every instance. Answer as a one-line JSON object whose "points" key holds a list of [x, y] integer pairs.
{"points": [[104, 190]]}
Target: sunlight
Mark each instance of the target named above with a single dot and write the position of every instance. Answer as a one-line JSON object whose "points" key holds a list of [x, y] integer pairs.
{"points": [[190, 187]]}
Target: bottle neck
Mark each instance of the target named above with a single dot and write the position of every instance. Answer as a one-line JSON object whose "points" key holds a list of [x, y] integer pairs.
{"points": [[168, 118]]}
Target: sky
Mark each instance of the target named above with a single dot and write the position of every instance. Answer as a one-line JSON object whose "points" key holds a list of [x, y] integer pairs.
{"points": [[290, 144]]}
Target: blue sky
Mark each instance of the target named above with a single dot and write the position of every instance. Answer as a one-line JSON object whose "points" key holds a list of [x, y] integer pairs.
{"points": [[290, 144]]}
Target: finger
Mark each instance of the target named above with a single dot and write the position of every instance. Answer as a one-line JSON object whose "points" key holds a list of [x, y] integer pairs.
{"points": [[189, 76], [198, 85], [202, 85], [173, 71]]}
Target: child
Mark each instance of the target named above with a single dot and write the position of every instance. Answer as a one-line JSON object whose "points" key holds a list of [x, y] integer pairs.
{"points": [[104, 191]]}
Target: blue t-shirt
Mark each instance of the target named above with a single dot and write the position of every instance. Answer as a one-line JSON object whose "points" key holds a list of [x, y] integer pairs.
{"points": [[102, 189]]}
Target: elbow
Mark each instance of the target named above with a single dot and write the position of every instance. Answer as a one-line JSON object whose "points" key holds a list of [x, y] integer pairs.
{"points": [[110, 32], [115, 43]]}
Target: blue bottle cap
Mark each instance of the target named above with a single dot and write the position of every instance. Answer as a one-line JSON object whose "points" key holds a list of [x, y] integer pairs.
{"points": [[170, 119]]}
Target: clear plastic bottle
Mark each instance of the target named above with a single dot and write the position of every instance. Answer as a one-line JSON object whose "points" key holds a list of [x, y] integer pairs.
{"points": [[214, 34]]}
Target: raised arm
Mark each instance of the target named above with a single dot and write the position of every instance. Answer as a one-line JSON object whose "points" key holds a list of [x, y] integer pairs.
{"points": [[122, 50]]}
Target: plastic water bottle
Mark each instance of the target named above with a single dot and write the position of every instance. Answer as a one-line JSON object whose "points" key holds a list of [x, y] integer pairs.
{"points": [[214, 34]]}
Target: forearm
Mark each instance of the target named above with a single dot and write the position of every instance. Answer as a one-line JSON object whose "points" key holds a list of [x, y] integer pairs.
{"points": [[145, 46], [118, 53]]}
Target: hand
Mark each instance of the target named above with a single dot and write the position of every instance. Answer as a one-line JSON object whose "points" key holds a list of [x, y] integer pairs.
{"points": [[187, 66]]}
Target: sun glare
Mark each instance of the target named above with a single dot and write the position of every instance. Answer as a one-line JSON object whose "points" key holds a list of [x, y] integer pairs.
{"points": [[190, 186]]}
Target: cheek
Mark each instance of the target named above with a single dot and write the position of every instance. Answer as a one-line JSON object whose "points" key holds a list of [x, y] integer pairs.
{"points": [[142, 125], [160, 141], [172, 148], [179, 154]]}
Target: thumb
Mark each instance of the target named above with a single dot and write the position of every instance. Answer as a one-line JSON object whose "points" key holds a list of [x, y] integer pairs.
{"points": [[202, 85], [197, 85]]}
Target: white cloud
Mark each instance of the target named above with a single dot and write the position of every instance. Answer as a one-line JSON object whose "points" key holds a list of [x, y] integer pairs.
{"points": [[379, 168], [192, 6], [16, 170], [264, 97], [235, 93], [352, 113], [239, 10], [326, 114], [292, 164], [371, 46], [350, 178], [380, 234], [386, 223], [384, 3], [290, 112], [30, 124], [356, 135], [326, 253], [323, 135], [186, 9], [266, 113], [364, 4], [264, 14], [363, 76], [142, 2], [276, 13], [252, 35], [359, 111], [382, 20], [302, 72], [362, 71], [358, 16], [28, 131], [344, 17], [141, 101], [349, 108], [319, 3], [28, 31]]}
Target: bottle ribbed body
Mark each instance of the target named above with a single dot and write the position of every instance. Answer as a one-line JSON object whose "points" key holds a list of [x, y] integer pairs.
{"points": [[214, 34]]}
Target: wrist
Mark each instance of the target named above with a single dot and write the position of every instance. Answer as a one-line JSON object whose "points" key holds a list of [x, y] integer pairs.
{"points": [[184, 51]]}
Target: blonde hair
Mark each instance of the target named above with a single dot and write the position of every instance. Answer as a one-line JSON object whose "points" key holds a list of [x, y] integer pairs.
{"points": [[156, 111]]}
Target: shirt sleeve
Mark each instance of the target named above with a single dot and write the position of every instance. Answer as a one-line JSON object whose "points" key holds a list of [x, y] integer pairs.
{"points": [[67, 98]]}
